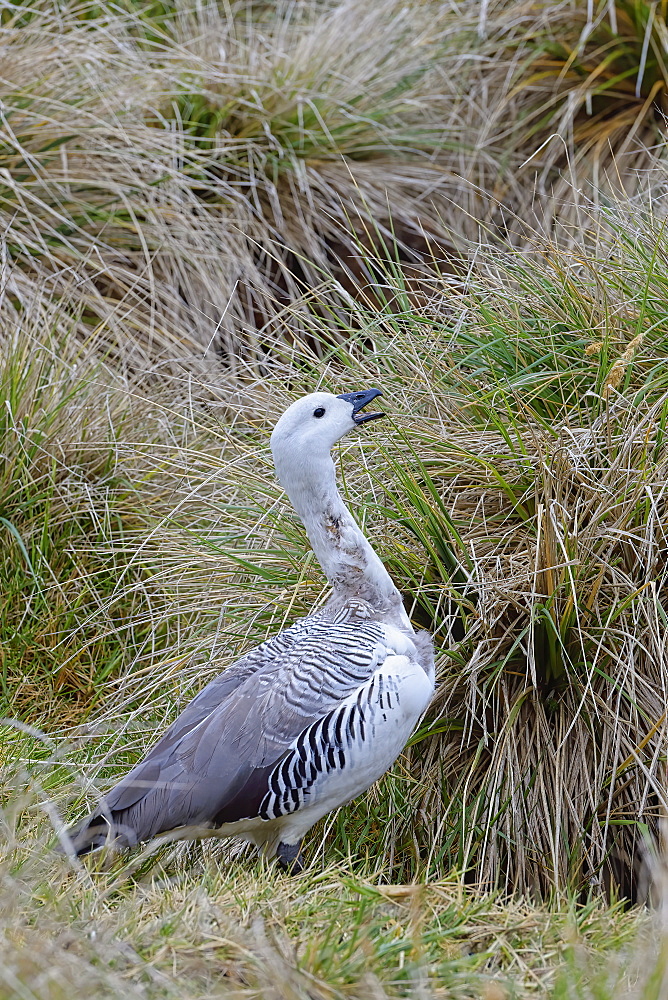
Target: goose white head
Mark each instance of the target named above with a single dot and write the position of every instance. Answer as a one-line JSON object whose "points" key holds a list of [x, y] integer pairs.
{"points": [[305, 435], [301, 445]]}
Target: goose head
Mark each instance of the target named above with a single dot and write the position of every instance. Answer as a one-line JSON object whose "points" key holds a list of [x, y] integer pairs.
{"points": [[307, 431]]}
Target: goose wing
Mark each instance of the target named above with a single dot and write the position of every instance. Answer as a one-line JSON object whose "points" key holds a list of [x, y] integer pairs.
{"points": [[213, 763], [279, 650]]}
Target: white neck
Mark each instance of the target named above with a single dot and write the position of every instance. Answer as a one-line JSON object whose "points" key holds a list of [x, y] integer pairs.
{"points": [[347, 559]]}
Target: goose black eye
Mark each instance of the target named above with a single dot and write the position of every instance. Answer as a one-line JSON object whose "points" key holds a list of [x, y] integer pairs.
{"points": [[320, 412]]}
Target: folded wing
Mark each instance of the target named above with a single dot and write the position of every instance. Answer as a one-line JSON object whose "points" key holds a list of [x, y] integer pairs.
{"points": [[212, 765]]}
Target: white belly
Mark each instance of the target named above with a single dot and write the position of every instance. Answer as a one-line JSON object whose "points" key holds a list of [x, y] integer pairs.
{"points": [[365, 736]]}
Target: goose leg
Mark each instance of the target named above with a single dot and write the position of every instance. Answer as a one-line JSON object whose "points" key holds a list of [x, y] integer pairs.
{"points": [[290, 858]]}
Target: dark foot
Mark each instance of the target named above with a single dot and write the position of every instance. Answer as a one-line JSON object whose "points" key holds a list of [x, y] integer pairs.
{"points": [[290, 858]]}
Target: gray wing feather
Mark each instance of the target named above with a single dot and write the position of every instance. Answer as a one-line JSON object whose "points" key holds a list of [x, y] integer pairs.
{"points": [[262, 657]]}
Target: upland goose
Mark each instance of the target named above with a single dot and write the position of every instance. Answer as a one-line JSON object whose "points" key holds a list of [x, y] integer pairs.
{"points": [[312, 717]]}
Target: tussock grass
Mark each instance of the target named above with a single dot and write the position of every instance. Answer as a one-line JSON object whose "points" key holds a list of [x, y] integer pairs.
{"points": [[207, 214], [178, 175], [591, 83], [61, 518], [562, 661], [177, 187], [525, 482]]}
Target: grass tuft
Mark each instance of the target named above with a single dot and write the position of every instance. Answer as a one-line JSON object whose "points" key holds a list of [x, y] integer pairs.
{"points": [[206, 211]]}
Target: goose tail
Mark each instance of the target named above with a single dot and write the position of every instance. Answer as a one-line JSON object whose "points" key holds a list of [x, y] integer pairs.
{"points": [[93, 833]]}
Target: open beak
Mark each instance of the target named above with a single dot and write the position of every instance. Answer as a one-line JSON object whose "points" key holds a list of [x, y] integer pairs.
{"points": [[359, 401]]}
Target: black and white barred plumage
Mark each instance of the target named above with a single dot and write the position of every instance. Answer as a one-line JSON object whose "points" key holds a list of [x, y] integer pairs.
{"points": [[324, 747]]}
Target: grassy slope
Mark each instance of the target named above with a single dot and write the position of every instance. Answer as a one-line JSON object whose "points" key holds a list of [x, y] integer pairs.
{"points": [[145, 543], [204, 926], [197, 557]]}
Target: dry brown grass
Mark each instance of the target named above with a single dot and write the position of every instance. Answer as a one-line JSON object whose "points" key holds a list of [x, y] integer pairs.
{"points": [[560, 683], [204, 925], [526, 491], [176, 179], [175, 191], [206, 215]]}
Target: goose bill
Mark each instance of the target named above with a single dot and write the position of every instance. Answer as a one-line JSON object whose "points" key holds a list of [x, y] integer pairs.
{"points": [[359, 401]]}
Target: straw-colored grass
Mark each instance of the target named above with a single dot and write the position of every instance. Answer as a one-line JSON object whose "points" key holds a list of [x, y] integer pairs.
{"points": [[175, 189], [214, 928], [147, 544], [591, 84], [178, 174], [208, 210], [525, 479]]}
